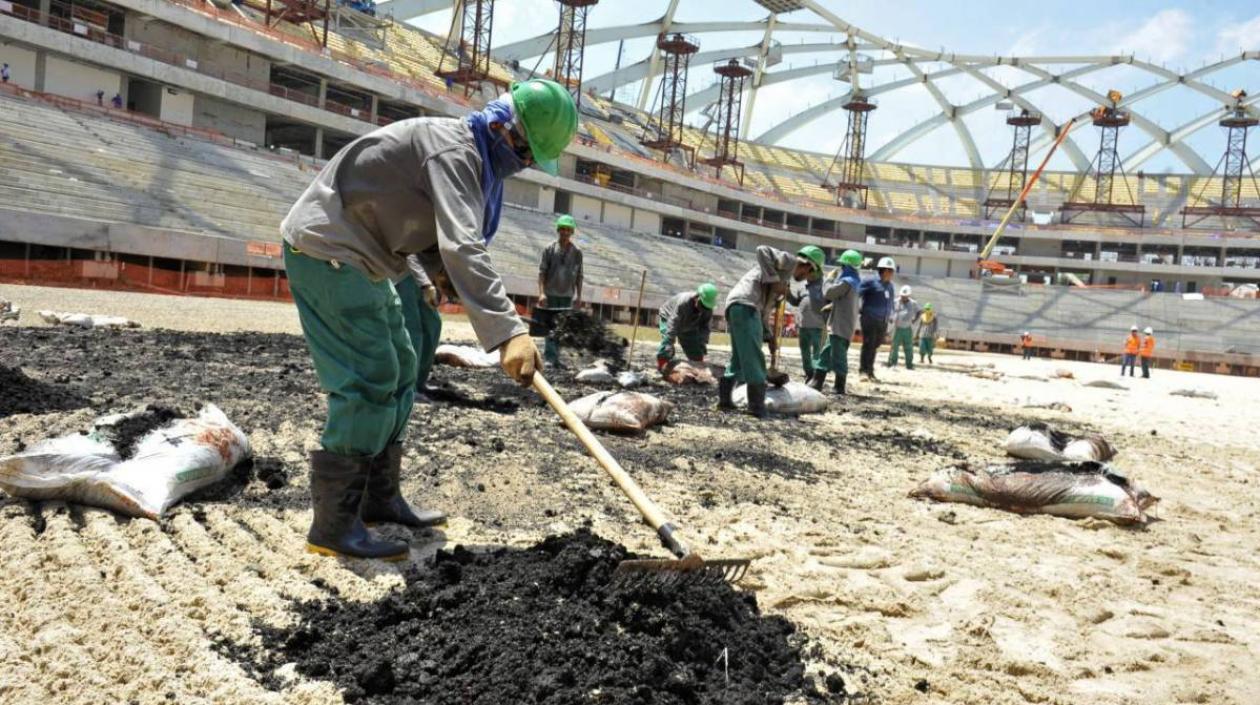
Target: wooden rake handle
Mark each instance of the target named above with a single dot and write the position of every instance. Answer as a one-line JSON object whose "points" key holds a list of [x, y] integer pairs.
{"points": [[647, 508]]}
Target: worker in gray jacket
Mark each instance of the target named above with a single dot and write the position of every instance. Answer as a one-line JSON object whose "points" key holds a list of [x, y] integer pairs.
{"points": [[841, 296], [430, 187], [686, 318], [810, 321], [559, 285], [748, 307]]}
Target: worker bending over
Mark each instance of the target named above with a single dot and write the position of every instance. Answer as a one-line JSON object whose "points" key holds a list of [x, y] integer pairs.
{"points": [[1147, 351], [840, 293], [430, 187], [875, 296], [559, 285], [810, 319], [748, 307], [905, 314], [685, 317], [929, 323], [1131, 346]]}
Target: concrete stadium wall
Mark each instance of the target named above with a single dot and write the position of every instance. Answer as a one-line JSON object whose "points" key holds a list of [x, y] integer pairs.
{"points": [[177, 106], [522, 194], [618, 215], [79, 81], [210, 56], [21, 63], [646, 221], [230, 119], [584, 208]]}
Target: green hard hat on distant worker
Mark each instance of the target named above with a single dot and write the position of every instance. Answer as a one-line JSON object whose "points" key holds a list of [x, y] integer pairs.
{"points": [[708, 295], [566, 221], [814, 255], [548, 116], [853, 258], [927, 307]]}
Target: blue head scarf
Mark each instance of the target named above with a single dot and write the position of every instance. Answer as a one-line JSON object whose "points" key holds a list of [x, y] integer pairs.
{"points": [[498, 159]]}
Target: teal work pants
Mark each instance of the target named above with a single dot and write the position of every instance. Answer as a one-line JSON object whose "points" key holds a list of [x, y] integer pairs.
{"points": [[927, 345], [903, 339], [810, 340], [364, 360], [834, 357], [424, 327], [691, 341], [556, 305], [748, 362]]}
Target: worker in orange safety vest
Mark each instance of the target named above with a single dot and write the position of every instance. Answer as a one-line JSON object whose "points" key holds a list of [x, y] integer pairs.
{"points": [[1131, 346], [1147, 352]]}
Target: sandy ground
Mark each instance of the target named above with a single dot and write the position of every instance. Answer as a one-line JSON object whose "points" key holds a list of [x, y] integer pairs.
{"points": [[933, 603]]}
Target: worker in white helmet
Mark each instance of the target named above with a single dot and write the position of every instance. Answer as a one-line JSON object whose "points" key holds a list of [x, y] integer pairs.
{"points": [[875, 295], [1131, 346], [1147, 351], [1025, 341], [906, 312]]}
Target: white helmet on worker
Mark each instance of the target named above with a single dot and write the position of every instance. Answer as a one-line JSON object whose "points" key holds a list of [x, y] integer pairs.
{"points": [[905, 290], [886, 263], [1133, 328], [1149, 331]]}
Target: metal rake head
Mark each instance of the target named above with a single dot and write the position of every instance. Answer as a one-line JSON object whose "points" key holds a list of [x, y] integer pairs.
{"points": [[685, 571]]}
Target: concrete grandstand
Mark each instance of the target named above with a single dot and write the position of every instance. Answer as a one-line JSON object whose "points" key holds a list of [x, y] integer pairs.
{"points": [[226, 115]]}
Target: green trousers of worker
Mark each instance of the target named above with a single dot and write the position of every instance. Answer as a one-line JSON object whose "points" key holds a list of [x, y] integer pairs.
{"points": [[811, 342], [355, 330], [927, 345], [424, 327], [555, 306], [748, 362], [691, 341], [903, 339], [834, 356]]}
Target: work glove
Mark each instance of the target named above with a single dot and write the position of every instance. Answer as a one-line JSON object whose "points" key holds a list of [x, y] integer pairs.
{"points": [[429, 293], [520, 359], [661, 362]]}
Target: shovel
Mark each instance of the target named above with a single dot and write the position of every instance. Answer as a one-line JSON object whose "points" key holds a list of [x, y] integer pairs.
{"points": [[688, 567], [774, 375]]}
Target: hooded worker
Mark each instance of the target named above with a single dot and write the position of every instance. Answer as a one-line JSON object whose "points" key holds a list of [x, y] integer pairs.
{"points": [[840, 293], [686, 317], [876, 305], [1147, 351], [929, 324], [430, 187], [1132, 344], [810, 318], [748, 308], [559, 284]]}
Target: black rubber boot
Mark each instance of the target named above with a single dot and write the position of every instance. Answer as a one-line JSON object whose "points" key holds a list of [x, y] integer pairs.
{"points": [[338, 483], [757, 400], [384, 503], [726, 387], [818, 380], [839, 386]]}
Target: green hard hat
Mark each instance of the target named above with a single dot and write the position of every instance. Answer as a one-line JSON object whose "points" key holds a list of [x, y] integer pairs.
{"points": [[548, 116], [853, 258], [708, 295], [814, 255], [566, 221], [927, 307]]}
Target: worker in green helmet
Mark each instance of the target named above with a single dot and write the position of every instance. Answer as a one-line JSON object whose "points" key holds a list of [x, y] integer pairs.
{"points": [[559, 285], [809, 316], [840, 293], [429, 187], [929, 325], [685, 317], [749, 308]]}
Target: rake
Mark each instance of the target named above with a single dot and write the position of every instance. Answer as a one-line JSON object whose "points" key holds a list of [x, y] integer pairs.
{"points": [[688, 567]]}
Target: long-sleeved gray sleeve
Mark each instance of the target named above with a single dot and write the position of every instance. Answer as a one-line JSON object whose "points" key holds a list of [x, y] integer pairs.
{"points": [[454, 187], [417, 272], [836, 289]]}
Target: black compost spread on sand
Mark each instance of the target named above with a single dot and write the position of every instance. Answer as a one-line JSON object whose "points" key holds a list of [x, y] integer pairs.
{"points": [[127, 433], [546, 625], [579, 329], [19, 394]]}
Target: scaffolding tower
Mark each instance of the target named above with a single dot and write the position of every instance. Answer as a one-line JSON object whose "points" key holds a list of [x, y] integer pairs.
{"points": [[1109, 119], [850, 184], [732, 76], [466, 54], [571, 45], [1234, 168], [1016, 165], [671, 104], [314, 12]]}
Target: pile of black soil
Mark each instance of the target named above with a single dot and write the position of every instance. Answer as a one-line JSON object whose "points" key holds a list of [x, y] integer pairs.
{"points": [[545, 625], [19, 394], [579, 329], [128, 431]]}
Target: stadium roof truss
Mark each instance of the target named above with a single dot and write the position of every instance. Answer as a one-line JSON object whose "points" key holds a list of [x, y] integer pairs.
{"points": [[927, 68]]}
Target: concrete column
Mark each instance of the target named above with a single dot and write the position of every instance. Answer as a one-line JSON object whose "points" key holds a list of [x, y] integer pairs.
{"points": [[323, 91], [41, 68], [319, 141], [45, 7], [376, 104]]}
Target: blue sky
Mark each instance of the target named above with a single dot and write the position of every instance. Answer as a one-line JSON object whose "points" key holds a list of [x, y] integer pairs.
{"points": [[1179, 35]]}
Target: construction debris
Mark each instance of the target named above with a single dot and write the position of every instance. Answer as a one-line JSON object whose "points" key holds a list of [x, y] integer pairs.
{"points": [[684, 372], [631, 412], [86, 320], [792, 399], [1041, 442], [465, 356], [1193, 393]]}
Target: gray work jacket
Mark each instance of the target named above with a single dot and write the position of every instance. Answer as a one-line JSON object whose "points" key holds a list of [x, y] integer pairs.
{"points": [[683, 314], [754, 288]]}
